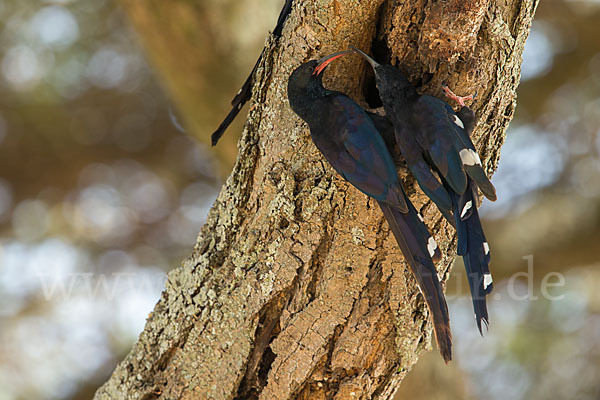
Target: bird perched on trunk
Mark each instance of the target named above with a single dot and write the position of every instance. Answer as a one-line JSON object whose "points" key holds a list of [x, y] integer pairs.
{"points": [[349, 140], [433, 138]]}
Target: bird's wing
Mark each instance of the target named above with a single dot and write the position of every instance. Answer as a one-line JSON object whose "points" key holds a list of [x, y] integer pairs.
{"points": [[413, 156], [473, 247], [357, 151], [434, 131], [462, 129], [446, 137], [385, 127]]}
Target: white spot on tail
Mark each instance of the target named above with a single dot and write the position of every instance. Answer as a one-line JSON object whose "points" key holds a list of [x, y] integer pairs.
{"points": [[431, 246], [469, 157], [458, 121], [486, 248], [466, 208], [420, 217], [487, 281]]}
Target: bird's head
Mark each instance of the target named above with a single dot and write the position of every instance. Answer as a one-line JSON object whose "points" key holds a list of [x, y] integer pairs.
{"points": [[307, 80], [311, 72], [391, 83], [302, 76]]}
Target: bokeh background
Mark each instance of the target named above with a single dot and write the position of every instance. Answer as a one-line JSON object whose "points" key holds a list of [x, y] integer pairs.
{"points": [[102, 192]]}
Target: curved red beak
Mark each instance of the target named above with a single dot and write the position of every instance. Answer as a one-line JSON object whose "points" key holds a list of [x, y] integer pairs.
{"points": [[325, 61]]}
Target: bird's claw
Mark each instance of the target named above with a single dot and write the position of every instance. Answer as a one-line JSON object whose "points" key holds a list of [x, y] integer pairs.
{"points": [[459, 99]]}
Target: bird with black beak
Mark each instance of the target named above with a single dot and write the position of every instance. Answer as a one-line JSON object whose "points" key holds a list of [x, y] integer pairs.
{"points": [[435, 141], [348, 138]]}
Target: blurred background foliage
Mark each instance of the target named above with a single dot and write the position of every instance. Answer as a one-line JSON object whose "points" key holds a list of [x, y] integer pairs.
{"points": [[102, 191]]}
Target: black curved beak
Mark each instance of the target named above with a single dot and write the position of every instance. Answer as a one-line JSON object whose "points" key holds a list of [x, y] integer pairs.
{"points": [[373, 63], [325, 61]]}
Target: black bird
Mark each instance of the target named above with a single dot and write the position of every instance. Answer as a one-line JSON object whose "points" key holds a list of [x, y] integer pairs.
{"points": [[433, 138], [244, 94], [349, 140]]}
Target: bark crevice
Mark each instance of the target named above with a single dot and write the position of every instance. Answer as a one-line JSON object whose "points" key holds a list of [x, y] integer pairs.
{"points": [[296, 289]]}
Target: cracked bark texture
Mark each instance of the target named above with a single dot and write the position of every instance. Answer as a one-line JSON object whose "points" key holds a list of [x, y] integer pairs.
{"points": [[296, 288]]}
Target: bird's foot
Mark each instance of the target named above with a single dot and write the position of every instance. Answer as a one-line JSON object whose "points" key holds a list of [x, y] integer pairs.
{"points": [[459, 99]]}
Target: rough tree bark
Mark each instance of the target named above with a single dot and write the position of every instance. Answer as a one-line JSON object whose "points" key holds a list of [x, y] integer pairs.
{"points": [[296, 288]]}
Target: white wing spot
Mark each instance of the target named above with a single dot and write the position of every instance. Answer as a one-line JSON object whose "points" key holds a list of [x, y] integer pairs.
{"points": [[469, 157], [487, 281], [458, 121], [431, 246], [420, 217], [486, 248], [466, 208]]}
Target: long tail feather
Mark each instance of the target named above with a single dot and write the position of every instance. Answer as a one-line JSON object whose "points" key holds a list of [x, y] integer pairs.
{"points": [[463, 209], [245, 92], [216, 135], [242, 96], [473, 246], [418, 249], [477, 173]]}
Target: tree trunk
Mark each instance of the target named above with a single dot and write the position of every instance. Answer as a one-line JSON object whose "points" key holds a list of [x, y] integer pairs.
{"points": [[296, 288]]}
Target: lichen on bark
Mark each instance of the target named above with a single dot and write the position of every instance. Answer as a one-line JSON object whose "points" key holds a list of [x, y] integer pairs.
{"points": [[295, 288]]}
